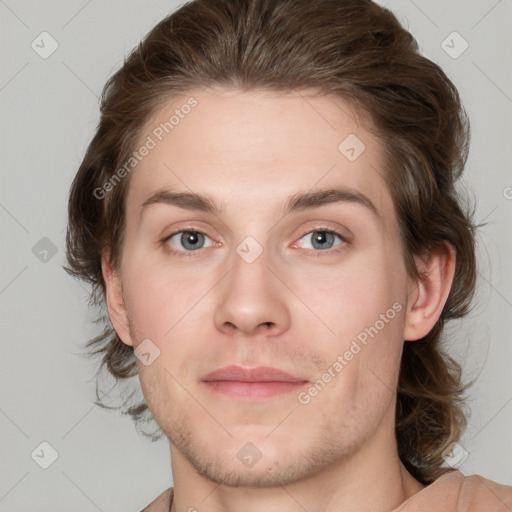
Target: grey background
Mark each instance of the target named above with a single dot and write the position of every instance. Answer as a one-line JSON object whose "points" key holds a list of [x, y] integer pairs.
{"points": [[49, 112]]}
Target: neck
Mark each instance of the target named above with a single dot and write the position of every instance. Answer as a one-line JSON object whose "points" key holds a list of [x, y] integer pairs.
{"points": [[372, 479]]}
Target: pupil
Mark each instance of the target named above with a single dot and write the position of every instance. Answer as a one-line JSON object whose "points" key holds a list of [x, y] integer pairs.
{"points": [[321, 238], [190, 239]]}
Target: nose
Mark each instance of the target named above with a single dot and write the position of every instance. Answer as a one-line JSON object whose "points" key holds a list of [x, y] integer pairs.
{"points": [[252, 300]]}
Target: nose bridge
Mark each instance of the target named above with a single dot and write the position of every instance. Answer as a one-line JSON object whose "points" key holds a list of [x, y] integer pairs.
{"points": [[251, 294], [250, 265]]}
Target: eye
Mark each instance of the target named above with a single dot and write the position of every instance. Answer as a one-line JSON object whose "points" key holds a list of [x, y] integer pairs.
{"points": [[323, 240], [190, 240]]}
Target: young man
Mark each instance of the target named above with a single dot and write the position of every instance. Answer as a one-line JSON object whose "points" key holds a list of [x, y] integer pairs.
{"points": [[269, 211]]}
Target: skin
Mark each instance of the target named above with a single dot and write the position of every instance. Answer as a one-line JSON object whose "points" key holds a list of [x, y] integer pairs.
{"points": [[296, 307]]}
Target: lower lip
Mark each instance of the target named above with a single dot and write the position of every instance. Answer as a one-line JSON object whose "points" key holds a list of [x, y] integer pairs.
{"points": [[253, 390]]}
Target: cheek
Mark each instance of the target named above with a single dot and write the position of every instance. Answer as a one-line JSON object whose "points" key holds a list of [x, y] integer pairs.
{"points": [[353, 297], [363, 307], [154, 301], [166, 305]]}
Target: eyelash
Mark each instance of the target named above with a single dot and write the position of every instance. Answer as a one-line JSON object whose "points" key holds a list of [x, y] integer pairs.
{"points": [[192, 254]]}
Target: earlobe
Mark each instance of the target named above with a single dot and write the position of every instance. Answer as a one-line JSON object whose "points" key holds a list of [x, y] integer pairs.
{"points": [[430, 292], [114, 298]]}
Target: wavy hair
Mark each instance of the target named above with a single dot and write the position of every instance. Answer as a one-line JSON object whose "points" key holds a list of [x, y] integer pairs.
{"points": [[358, 51]]}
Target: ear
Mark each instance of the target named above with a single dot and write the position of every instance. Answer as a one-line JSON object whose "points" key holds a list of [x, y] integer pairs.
{"points": [[430, 292], [114, 297]]}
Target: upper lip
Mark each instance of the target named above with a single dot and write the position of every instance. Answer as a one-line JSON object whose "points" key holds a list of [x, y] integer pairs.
{"points": [[257, 374]]}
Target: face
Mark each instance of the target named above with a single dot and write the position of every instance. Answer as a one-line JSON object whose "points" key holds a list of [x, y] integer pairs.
{"points": [[314, 287]]}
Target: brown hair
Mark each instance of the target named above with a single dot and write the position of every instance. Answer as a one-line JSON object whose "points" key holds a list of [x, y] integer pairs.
{"points": [[356, 50]]}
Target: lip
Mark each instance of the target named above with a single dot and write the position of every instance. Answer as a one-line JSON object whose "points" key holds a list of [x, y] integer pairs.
{"points": [[258, 374], [252, 383]]}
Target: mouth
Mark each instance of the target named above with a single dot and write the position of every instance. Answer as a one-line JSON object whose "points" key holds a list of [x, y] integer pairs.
{"points": [[252, 383]]}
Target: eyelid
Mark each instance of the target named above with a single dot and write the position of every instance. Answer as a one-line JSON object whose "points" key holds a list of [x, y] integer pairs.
{"points": [[344, 240], [320, 225], [183, 230], [326, 229], [192, 229]]}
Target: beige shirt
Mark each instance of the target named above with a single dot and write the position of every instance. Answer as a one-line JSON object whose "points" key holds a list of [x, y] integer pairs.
{"points": [[451, 492]]}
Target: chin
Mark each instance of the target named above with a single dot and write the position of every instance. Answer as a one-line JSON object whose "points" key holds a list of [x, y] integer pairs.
{"points": [[264, 476]]}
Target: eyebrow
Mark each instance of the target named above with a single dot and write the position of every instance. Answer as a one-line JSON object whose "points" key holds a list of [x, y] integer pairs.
{"points": [[297, 202]]}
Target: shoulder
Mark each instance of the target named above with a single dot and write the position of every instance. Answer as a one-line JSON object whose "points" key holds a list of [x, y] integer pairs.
{"points": [[162, 503], [477, 491], [456, 492]]}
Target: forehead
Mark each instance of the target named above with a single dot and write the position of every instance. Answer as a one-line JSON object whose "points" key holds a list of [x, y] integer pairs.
{"points": [[242, 146]]}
